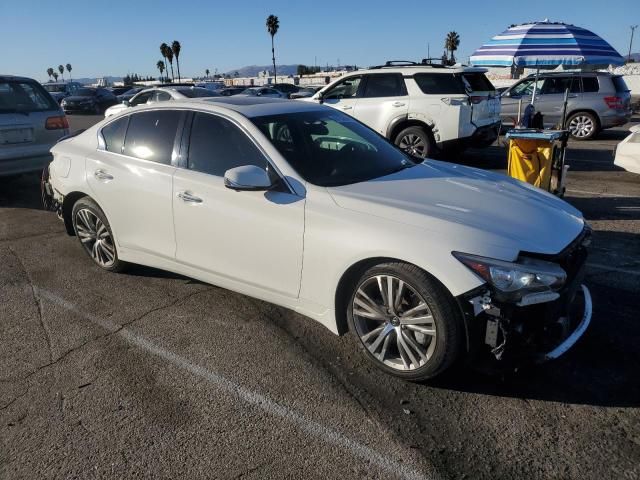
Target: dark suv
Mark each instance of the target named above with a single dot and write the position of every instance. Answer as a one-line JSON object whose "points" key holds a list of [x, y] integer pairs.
{"points": [[597, 100]]}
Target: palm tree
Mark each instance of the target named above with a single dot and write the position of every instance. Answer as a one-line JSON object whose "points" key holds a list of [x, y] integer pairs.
{"points": [[207, 72], [50, 72], [55, 76], [175, 48], [164, 49], [160, 66], [69, 70], [170, 58], [272, 27], [61, 70], [451, 44]]}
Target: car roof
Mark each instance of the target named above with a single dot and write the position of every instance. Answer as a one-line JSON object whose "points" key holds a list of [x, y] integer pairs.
{"points": [[252, 106], [568, 74], [19, 78], [419, 68]]}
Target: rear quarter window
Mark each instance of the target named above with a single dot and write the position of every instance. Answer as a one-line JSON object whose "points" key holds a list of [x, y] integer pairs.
{"points": [[439, 83], [619, 84], [478, 82], [113, 135]]}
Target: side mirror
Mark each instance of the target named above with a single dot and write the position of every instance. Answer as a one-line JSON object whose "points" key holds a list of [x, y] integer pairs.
{"points": [[126, 103], [247, 177], [320, 97]]}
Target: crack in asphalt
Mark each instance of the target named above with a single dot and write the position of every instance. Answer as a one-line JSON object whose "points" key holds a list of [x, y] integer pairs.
{"points": [[94, 339], [37, 301]]}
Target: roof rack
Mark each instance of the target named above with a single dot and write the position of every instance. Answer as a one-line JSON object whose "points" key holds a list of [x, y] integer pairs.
{"points": [[426, 62]]}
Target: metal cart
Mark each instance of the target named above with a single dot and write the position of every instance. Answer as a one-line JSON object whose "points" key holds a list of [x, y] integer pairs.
{"points": [[538, 157]]}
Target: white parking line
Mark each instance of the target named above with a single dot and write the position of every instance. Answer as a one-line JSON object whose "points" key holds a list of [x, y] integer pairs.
{"points": [[626, 271], [599, 194], [300, 420]]}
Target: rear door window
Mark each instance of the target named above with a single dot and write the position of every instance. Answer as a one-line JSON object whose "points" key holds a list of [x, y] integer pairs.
{"points": [[439, 83], [151, 135], [24, 97], [384, 85], [113, 135], [590, 84]]}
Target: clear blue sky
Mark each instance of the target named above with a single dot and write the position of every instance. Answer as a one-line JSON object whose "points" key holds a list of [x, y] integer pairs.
{"points": [[115, 37]]}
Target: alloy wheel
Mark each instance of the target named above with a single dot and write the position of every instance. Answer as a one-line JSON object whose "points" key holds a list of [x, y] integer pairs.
{"points": [[95, 237], [581, 126], [413, 144], [394, 322]]}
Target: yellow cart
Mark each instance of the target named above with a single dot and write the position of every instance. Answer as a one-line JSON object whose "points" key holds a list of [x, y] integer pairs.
{"points": [[538, 157]]}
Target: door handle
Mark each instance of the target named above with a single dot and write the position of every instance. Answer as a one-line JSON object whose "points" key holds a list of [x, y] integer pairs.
{"points": [[102, 175], [189, 198], [399, 104], [346, 107]]}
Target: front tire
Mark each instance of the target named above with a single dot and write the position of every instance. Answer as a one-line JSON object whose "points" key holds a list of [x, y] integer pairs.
{"points": [[94, 233], [406, 322], [416, 141]]}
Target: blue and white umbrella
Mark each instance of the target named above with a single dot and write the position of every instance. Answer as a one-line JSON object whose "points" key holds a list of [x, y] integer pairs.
{"points": [[546, 45]]}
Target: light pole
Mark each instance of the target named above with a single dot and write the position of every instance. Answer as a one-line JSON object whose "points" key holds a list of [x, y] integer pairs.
{"points": [[633, 29]]}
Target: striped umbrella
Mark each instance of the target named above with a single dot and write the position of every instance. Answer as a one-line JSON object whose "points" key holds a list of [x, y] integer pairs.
{"points": [[546, 45]]}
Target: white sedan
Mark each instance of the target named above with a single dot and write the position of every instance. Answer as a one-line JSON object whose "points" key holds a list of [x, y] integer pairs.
{"points": [[628, 151], [150, 96], [303, 206]]}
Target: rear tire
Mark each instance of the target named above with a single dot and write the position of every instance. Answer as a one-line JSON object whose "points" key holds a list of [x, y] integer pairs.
{"points": [[405, 321], [94, 234], [416, 141], [583, 126]]}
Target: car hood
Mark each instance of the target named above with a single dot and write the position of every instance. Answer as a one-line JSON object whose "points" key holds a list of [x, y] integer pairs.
{"points": [[78, 98], [463, 201]]}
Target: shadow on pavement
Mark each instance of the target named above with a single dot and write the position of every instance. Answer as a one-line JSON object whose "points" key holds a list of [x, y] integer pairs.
{"points": [[21, 191]]}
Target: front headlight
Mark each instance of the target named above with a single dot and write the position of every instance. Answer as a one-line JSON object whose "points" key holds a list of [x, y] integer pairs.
{"points": [[516, 279]]}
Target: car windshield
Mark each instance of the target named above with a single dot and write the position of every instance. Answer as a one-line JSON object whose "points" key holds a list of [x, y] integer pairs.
{"points": [[24, 97], [330, 148], [85, 92], [250, 91], [54, 88], [197, 92]]}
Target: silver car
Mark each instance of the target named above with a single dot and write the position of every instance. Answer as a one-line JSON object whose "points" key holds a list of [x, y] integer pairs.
{"points": [[161, 94], [597, 100], [31, 122]]}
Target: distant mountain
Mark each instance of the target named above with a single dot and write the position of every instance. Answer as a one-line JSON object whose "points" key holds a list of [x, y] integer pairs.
{"points": [[253, 70]]}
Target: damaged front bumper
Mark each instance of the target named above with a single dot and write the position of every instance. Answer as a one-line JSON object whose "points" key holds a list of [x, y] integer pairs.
{"points": [[502, 335]]}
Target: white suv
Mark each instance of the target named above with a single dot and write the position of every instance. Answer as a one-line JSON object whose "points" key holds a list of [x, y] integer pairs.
{"points": [[420, 107]]}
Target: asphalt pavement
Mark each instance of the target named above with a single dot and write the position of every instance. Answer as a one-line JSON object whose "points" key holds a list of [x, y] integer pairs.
{"points": [[148, 374]]}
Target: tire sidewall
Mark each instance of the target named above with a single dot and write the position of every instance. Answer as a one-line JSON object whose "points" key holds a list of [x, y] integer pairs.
{"points": [[87, 203], [584, 114], [423, 133], [446, 318]]}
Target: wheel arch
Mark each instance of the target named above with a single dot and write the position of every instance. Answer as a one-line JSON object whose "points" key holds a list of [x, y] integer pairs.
{"points": [[351, 275], [589, 111], [403, 122]]}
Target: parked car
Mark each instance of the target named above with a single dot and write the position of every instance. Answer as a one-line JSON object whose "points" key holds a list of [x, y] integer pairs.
{"points": [[119, 90], [303, 206], [263, 92], [89, 100], [597, 100], [420, 107], [628, 151], [128, 95], [216, 86], [31, 122], [227, 92], [60, 90], [306, 91], [286, 88], [161, 94]]}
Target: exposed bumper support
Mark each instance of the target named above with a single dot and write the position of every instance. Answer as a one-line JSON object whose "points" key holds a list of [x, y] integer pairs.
{"points": [[577, 333]]}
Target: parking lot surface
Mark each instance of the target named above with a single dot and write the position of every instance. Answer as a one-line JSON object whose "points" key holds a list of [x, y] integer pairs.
{"points": [[147, 374]]}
